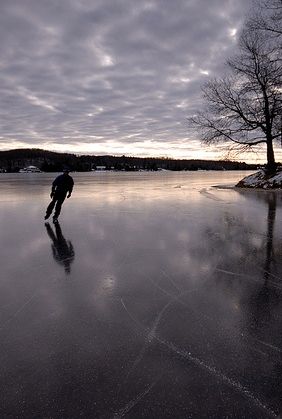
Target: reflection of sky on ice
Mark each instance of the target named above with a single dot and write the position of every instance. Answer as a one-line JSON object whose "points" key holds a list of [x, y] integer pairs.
{"points": [[174, 290]]}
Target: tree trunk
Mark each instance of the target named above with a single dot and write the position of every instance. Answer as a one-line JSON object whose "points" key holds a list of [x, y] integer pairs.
{"points": [[271, 165]]}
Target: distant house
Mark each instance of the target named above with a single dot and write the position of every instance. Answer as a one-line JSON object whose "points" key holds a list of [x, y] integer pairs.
{"points": [[30, 169], [100, 168]]}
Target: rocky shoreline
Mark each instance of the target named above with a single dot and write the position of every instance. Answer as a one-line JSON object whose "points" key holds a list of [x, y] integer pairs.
{"points": [[260, 180]]}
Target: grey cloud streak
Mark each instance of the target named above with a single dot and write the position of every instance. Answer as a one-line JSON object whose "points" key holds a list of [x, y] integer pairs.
{"points": [[106, 76]]}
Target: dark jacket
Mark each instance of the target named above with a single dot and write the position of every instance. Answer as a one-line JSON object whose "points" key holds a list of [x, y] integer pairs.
{"points": [[62, 185]]}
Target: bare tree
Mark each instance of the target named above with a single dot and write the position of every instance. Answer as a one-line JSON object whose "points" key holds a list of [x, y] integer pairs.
{"points": [[267, 17], [246, 107]]}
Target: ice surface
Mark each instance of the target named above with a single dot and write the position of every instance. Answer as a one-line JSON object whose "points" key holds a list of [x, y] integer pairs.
{"points": [[157, 296]]}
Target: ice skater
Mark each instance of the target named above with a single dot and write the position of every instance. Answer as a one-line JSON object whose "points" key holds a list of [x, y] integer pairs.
{"points": [[61, 188]]}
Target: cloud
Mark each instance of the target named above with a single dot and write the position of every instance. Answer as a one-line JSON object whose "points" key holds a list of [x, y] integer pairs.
{"points": [[107, 76]]}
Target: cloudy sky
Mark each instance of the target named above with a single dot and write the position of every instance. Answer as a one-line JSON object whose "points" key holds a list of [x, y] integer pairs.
{"points": [[111, 76]]}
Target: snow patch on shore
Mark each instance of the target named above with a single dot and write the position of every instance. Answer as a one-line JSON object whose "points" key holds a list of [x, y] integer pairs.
{"points": [[262, 180]]}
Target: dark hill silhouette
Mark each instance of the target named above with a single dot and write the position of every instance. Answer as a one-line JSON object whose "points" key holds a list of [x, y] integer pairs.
{"points": [[49, 161]]}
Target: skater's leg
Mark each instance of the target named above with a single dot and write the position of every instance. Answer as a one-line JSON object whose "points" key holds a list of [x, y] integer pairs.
{"points": [[58, 207], [50, 208]]}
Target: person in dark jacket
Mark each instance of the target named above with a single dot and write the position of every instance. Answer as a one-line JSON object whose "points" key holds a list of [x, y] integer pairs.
{"points": [[61, 188]]}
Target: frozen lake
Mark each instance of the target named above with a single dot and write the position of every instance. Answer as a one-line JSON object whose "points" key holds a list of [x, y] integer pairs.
{"points": [[157, 296]]}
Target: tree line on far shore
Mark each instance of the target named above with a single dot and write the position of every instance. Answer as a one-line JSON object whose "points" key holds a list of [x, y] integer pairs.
{"points": [[48, 161]]}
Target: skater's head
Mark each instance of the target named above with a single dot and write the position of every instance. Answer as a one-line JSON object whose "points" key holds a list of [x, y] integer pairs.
{"points": [[66, 171]]}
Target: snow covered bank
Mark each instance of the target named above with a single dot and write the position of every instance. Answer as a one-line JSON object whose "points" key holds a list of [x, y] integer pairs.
{"points": [[261, 180]]}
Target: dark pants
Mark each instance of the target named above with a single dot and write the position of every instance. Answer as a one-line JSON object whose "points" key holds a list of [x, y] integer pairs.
{"points": [[57, 200]]}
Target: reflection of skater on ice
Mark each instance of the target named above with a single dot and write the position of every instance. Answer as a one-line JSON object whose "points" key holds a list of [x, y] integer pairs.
{"points": [[62, 249], [61, 188]]}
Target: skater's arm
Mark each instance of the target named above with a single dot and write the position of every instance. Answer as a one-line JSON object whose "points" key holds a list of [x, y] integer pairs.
{"points": [[54, 186], [70, 188]]}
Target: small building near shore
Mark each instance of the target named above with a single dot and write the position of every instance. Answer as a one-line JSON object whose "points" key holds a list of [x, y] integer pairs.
{"points": [[100, 168], [30, 169]]}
